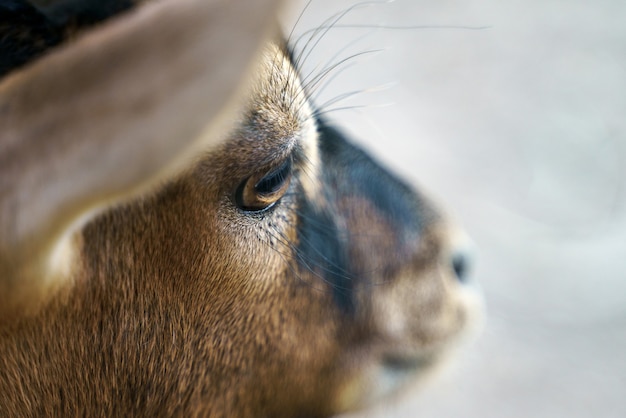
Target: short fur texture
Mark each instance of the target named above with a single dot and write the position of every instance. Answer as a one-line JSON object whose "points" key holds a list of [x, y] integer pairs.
{"points": [[179, 302]]}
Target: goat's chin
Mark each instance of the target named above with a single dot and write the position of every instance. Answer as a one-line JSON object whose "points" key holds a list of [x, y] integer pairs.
{"points": [[397, 368], [389, 378]]}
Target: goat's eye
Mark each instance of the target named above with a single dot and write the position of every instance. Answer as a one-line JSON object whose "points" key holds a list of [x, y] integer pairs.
{"points": [[261, 191]]}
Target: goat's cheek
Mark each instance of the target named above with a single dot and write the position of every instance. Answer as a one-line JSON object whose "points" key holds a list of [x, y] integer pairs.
{"points": [[418, 310], [374, 246]]}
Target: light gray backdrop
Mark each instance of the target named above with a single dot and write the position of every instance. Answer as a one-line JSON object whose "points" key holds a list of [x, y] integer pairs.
{"points": [[520, 130]]}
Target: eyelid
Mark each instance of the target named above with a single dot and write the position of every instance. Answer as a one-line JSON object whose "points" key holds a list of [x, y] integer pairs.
{"points": [[249, 198], [280, 172]]}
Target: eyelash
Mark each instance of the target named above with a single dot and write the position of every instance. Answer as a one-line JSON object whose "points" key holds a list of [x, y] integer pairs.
{"points": [[263, 190]]}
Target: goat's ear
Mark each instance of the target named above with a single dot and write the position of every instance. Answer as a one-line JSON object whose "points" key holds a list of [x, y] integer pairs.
{"points": [[107, 116]]}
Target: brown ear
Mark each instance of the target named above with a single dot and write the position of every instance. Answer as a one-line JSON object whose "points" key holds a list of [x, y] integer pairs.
{"points": [[122, 108]]}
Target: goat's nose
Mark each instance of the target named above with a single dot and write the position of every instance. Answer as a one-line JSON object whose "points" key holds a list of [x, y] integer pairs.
{"points": [[461, 264], [461, 257]]}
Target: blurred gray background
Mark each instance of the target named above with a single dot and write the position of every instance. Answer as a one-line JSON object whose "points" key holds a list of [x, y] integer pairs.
{"points": [[519, 129]]}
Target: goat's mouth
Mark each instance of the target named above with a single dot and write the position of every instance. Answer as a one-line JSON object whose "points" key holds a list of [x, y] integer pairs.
{"points": [[398, 370], [395, 365], [407, 364], [403, 346], [389, 374]]}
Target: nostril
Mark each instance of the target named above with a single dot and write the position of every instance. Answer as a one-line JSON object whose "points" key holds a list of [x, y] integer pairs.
{"points": [[460, 265], [459, 256]]}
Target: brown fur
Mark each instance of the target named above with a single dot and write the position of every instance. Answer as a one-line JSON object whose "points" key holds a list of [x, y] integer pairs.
{"points": [[174, 302]]}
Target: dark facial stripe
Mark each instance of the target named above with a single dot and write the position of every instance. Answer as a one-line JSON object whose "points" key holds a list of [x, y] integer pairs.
{"points": [[356, 173], [347, 173], [322, 250]]}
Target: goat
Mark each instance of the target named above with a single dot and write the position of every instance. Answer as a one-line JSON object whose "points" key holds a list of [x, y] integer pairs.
{"points": [[182, 234]]}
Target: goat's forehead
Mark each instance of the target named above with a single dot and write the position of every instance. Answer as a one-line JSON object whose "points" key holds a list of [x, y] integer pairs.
{"points": [[277, 103], [279, 116]]}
